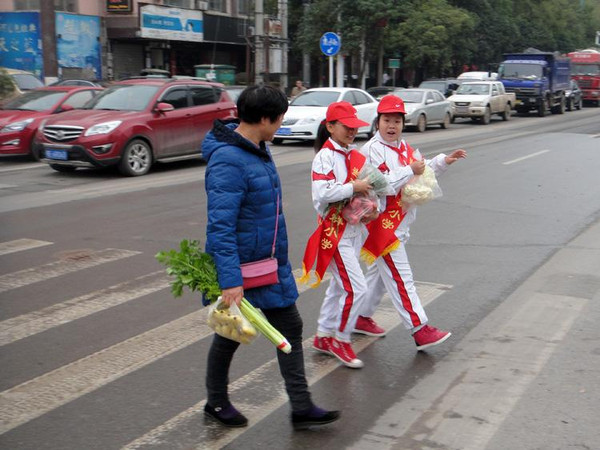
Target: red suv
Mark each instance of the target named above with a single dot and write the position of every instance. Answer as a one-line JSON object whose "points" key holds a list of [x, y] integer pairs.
{"points": [[133, 124]]}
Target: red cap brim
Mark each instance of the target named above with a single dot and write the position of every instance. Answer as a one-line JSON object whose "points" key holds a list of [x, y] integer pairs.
{"points": [[353, 122]]}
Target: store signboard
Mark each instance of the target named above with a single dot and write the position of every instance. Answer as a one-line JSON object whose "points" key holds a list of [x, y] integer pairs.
{"points": [[118, 5], [21, 42], [157, 22], [78, 42]]}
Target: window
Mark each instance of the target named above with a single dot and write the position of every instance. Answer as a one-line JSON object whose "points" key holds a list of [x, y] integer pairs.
{"points": [[428, 97], [80, 98], [350, 98], [176, 97], [218, 5], [27, 5], [203, 95], [437, 97], [361, 98], [189, 4], [59, 5], [243, 7]]}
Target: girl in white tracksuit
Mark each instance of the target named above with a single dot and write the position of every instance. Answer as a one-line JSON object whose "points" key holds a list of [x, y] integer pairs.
{"points": [[391, 270], [336, 244]]}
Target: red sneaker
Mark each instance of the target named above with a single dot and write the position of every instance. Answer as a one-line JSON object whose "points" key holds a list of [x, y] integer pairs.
{"points": [[343, 351], [430, 336], [322, 344], [366, 325]]}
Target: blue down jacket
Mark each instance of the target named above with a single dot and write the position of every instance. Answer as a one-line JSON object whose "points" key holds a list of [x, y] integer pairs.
{"points": [[242, 185]]}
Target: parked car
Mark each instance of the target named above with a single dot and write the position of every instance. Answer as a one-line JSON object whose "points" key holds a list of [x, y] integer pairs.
{"points": [[21, 116], [234, 91], [380, 91], [307, 111], [76, 83], [574, 96], [133, 124], [23, 81], [446, 86], [425, 107]]}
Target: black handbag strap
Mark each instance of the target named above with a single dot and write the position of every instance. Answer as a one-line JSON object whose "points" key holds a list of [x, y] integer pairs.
{"points": [[276, 227]]}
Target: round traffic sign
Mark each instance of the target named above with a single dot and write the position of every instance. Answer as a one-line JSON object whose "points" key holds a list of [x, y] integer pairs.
{"points": [[330, 44]]}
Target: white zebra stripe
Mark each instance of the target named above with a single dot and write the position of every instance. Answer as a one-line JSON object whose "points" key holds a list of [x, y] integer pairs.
{"points": [[257, 407], [19, 245], [25, 325], [57, 268]]}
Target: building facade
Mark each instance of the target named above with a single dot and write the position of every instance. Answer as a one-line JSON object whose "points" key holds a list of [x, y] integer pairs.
{"points": [[114, 39]]}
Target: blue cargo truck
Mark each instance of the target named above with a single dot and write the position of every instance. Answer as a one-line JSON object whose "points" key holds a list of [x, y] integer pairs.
{"points": [[539, 81]]}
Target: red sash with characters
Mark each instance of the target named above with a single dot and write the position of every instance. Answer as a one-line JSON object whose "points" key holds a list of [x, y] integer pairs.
{"points": [[323, 243], [382, 237]]}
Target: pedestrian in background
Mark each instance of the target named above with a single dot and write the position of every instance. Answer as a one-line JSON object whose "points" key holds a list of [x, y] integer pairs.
{"points": [[244, 205], [336, 244], [388, 235], [298, 89]]}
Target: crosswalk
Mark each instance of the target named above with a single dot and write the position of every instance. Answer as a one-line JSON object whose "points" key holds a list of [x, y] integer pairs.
{"points": [[39, 395]]}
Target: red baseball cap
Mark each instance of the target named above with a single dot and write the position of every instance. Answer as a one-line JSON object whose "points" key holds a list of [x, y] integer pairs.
{"points": [[344, 112], [391, 104]]}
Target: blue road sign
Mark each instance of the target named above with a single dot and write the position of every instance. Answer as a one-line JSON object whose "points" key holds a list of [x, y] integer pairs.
{"points": [[330, 44]]}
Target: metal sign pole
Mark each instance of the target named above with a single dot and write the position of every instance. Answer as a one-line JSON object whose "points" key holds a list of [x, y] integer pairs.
{"points": [[330, 71]]}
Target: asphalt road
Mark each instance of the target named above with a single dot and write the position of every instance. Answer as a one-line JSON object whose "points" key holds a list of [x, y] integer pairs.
{"points": [[95, 354]]}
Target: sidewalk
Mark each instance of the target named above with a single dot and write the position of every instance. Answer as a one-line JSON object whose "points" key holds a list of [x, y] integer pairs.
{"points": [[525, 378]]}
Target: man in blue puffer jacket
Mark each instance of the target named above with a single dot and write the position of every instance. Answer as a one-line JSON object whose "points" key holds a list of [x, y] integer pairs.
{"points": [[244, 192]]}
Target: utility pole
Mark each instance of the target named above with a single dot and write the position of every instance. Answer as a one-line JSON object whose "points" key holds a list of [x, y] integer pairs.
{"points": [[305, 54], [259, 22]]}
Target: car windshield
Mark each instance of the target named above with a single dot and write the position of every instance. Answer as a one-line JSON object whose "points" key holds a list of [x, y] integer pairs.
{"points": [[473, 89], [124, 97], [315, 98], [410, 96], [585, 69], [26, 81], [35, 100], [521, 71]]}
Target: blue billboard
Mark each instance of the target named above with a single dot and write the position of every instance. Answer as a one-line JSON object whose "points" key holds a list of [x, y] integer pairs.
{"points": [[78, 42], [21, 42]]}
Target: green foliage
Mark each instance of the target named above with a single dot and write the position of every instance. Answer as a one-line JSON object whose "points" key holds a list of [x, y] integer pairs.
{"points": [[192, 269], [7, 85]]}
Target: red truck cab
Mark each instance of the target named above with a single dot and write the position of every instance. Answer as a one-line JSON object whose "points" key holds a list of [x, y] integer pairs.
{"points": [[585, 69]]}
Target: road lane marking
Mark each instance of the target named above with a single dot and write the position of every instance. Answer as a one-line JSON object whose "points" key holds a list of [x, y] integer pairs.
{"points": [[57, 268], [249, 390], [465, 400], [19, 245], [525, 157], [25, 325], [33, 398]]}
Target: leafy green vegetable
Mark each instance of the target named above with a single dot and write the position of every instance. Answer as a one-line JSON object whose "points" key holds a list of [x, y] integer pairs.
{"points": [[192, 269]]}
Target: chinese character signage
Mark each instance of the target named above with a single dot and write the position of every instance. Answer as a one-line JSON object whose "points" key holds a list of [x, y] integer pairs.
{"points": [[171, 23], [78, 42], [118, 5], [21, 42]]}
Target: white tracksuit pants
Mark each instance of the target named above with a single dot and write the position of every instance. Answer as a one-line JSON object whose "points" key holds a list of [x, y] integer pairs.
{"points": [[346, 293], [392, 273]]}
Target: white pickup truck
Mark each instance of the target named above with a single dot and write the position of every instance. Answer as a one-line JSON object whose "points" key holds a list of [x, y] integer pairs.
{"points": [[480, 99]]}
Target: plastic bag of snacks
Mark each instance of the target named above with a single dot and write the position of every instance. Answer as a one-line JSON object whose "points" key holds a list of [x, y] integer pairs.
{"points": [[422, 188], [228, 321], [359, 206]]}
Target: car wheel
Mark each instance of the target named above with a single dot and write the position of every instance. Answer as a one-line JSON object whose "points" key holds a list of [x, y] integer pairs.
{"points": [[507, 112], [570, 104], [277, 141], [561, 107], [487, 116], [136, 159], [446, 123], [543, 108], [421, 123], [63, 169]]}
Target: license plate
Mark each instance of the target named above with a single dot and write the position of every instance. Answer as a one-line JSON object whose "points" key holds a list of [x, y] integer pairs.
{"points": [[518, 102], [284, 131], [57, 154], [462, 109]]}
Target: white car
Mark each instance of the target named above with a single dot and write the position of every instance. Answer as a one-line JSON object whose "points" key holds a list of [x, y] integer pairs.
{"points": [[306, 112], [425, 107]]}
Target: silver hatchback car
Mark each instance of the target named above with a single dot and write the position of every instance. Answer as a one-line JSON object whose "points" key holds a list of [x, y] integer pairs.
{"points": [[425, 107]]}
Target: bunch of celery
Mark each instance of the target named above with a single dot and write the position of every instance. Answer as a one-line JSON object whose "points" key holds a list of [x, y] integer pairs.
{"points": [[196, 270]]}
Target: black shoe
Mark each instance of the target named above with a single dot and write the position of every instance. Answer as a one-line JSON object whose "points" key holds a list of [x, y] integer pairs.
{"points": [[313, 417], [228, 415]]}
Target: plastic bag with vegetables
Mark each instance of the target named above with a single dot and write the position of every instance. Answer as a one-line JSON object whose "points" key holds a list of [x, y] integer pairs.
{"points": [[421, 188], [229, 322]]}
